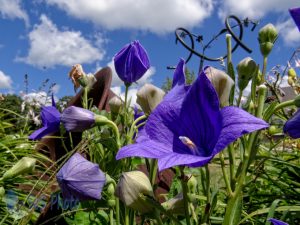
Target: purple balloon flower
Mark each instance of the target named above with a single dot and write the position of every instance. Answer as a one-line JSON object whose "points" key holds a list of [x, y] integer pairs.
{"points": [[295, 13], [131, 62], [292, 126], [76, 119], [188, 127], [277, 222], [81, 179], [50, 119]]}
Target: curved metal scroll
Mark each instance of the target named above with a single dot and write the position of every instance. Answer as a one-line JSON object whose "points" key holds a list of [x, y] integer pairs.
{"points": [[182, 33]]}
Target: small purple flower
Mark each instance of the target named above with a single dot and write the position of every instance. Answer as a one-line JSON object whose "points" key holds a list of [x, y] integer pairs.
{"points": [[277, 222], [292, 126], [138, 114], [295, 13], [50, 119], [81, 179], [188, 127], [76, 119], [131, 62]]}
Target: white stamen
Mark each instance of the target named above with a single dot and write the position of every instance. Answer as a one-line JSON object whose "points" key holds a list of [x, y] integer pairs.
{"points": [[186, 141]]}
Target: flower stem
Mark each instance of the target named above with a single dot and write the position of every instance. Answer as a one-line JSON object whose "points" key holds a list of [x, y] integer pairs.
{"points": [[227, 183], [85, 98], [265, 60], [239, 98], [206, 213], [185, 196], [133, 126], [117, 211], [281, 106], [153, 171], [228, 43], [126, 216], [261, 100], [126, 108], [231, 165], [116, 132], [157, 217], [233, 203], [111, 217]]}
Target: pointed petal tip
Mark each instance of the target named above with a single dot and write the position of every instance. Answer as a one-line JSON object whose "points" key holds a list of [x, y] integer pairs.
{"points": [[179, 77]]}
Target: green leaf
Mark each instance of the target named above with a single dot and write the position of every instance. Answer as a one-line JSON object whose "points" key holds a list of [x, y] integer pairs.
{"points": [[266, 210], [272, 210]]}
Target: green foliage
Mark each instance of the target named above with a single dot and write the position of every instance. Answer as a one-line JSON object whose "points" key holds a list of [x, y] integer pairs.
{"points": [[189, 77]]}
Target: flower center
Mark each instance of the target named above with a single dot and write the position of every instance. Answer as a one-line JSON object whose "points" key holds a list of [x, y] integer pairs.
{"points": [[186, 141]]}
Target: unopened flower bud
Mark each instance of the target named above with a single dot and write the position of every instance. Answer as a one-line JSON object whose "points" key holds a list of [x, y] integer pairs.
{"points": [[132, 62], [23, 166], [131, 186], [292, 73], [251, 106], [76, 119], [87, 80], [110, 195], [192, 184], [291, 81], [148, 97], [77, 76], [267, 37], [175, 205], [297, 101], [272, 130], [246, 70], [115, 104], [221, 82]]}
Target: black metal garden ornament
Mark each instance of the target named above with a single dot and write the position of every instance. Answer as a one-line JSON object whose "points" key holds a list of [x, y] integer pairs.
{"points": [[182, 34]]}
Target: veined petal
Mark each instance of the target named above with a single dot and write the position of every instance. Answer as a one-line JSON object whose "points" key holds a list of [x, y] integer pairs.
{"points": [[79, 178], [50, 115], [235, 123], [163, 123], [292, 126], [147, 149], [38, 134], [200, 117], [176, 159], [179, 77]]}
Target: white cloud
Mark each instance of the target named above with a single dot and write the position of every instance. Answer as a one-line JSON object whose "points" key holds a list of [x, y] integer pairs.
{"points": [[50, 47], [153, 15], [116, 81], [12, 9], [55, 89], [131, 94], [254, 9], [5, 81], [289, 32]]}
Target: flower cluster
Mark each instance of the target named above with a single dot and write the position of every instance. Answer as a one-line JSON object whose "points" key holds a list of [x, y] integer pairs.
{"points": [[188, 126]]}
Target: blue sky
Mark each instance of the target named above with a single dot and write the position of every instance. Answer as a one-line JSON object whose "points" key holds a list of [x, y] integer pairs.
{"points": [[44, 38]]}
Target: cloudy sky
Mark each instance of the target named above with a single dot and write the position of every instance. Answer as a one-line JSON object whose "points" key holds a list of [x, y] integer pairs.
{"points": [[44, 38]]}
